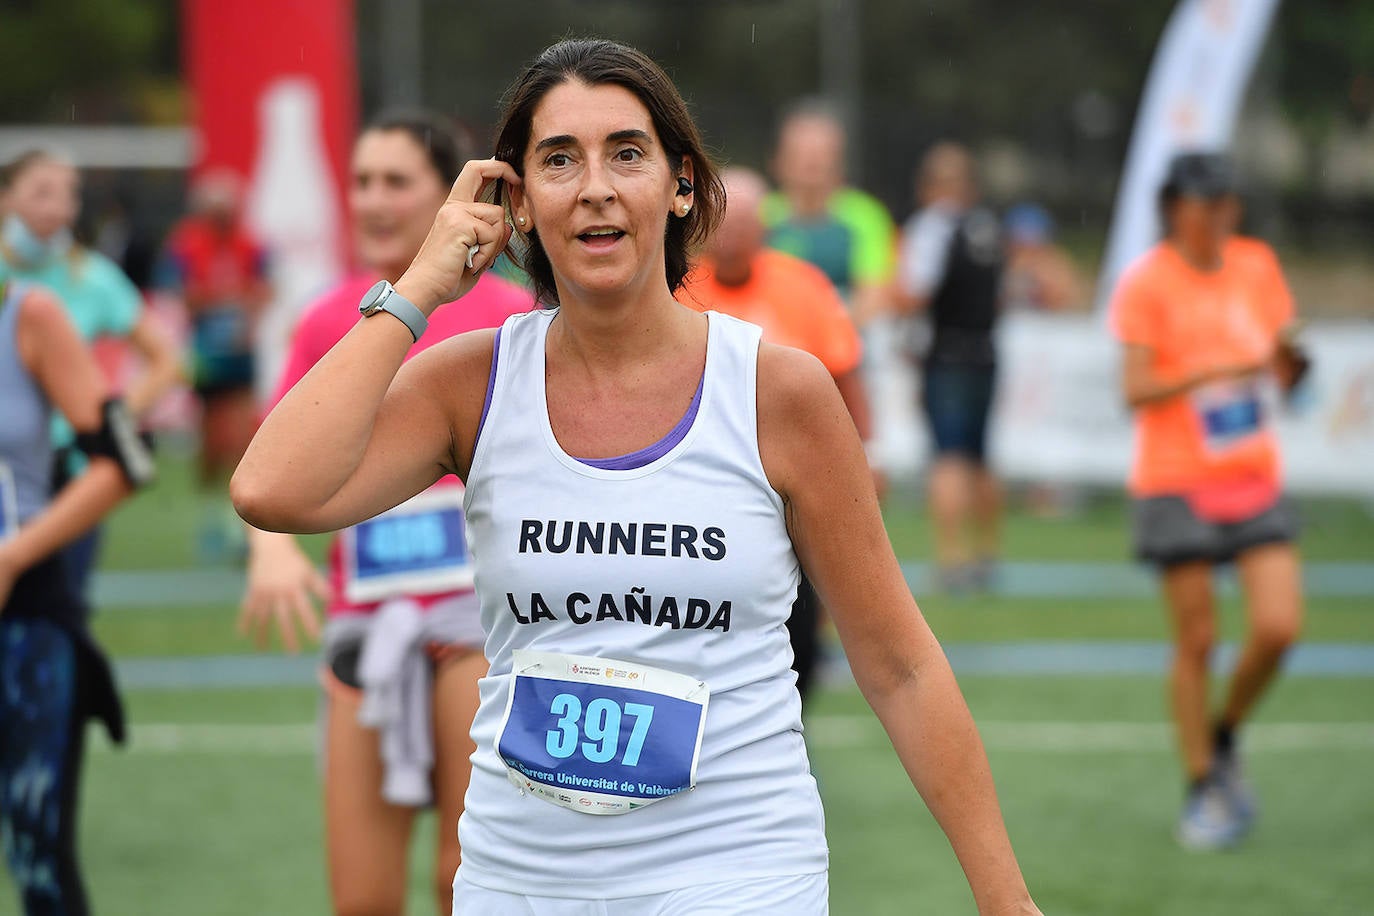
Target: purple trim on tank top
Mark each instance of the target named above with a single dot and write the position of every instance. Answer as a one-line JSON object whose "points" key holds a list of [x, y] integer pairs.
{"points": [[491, 385], [651, 453]]}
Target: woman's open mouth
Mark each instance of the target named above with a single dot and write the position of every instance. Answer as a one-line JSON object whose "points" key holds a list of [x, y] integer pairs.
{"points": [[600, 239]]}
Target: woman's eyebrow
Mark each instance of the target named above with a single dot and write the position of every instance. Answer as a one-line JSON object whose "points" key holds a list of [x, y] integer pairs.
{"points": [[558, 140], [629, 134]]}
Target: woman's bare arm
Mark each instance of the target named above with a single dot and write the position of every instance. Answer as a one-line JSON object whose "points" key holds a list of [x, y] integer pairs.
{"points": [[161, 370], [356, 436], [67, 373], [815, 460], [1142, 385]]}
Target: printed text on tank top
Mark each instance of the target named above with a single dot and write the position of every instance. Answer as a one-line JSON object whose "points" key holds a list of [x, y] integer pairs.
{"points": [[557, 700], [615, 615]]}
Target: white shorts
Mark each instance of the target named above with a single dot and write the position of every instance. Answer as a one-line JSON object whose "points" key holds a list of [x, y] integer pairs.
{"points": [[794, 895]]}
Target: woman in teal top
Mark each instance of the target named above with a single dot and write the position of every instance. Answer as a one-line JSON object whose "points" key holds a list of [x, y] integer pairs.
{"points": [[40, 200]]}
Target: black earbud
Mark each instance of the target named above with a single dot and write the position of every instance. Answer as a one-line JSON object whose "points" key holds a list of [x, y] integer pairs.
{"points": [[684, 187]]}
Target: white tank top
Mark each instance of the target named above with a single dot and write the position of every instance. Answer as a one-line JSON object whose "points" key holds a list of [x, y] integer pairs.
{"points": [[684, 564]]}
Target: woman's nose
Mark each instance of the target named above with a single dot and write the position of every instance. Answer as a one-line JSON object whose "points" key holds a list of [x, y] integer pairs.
{"points": [[598, 186]]}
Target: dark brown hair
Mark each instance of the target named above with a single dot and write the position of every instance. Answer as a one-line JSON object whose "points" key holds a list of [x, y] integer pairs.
{"points": [[599, 62], [444, 146]]}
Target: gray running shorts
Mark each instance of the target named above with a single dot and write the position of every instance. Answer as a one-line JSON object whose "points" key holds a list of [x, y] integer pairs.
{"points": [[1167, 531]]}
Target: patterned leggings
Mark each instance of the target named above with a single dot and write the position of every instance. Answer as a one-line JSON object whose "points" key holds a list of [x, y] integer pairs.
{"points": [[40, 763]]}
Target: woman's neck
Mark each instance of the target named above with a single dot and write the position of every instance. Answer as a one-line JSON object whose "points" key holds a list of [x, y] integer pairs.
{"points": [[1199, 258], [608, 334]]}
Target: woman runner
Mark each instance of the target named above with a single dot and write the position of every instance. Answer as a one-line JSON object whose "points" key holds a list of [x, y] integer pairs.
{"points": [[40, 197], [644, 483], [402, 647], [1203, 319], [52, 677]]}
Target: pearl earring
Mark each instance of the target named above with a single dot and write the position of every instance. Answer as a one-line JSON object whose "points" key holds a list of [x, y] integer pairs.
{"points": [[686, 208], [520, 220]]}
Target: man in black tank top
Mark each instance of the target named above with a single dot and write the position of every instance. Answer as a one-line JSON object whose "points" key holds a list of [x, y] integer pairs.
{"points": [[951, 267]]}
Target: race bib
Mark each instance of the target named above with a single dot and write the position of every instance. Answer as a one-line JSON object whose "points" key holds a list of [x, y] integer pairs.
{"points": [[1231, 413], [420, 547], [9, 504], [598, 735]]}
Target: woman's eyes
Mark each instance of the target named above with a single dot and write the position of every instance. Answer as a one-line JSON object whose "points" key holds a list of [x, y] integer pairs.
{"points": [[626, 154]]}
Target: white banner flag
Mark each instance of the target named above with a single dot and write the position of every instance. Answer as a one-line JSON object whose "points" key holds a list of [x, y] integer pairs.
{"points": [[1192, 97]]}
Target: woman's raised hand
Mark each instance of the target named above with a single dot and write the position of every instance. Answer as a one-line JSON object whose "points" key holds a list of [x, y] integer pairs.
{"points": [[447, 265]]}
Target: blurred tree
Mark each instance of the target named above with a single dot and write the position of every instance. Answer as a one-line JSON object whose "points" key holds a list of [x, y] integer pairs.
{"points": [[84, 60], [1327, 69]]}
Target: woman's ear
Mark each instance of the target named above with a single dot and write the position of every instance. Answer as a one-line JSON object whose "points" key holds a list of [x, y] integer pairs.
{"points": [[519, 209], [682, 194]]}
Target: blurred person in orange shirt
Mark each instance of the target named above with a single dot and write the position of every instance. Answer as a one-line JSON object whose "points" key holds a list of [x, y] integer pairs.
{"points": [[797, 306], [220, 270], [1204, 318]]}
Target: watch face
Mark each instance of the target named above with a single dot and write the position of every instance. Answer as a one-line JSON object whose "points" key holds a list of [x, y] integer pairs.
{"points": [[373, 298]]}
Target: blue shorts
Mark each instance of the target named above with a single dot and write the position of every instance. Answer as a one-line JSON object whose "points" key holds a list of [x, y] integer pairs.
{"points": [[957, 400], [793, 895]]}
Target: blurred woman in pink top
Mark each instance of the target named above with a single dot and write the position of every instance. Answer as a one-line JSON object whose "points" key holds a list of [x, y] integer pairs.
{"points": [[402, 646]]}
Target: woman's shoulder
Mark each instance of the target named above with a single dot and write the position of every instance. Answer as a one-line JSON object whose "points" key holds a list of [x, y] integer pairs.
{"points": [[41, 319], [38, 306], [95, 268], [792, 384]]}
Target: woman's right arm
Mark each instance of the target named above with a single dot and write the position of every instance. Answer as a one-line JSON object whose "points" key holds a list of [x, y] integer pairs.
{"points": [[354, 437], [1142, 385]]}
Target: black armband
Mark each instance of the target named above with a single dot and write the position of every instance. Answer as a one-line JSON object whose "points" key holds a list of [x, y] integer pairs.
{"points": [[118, 439]]}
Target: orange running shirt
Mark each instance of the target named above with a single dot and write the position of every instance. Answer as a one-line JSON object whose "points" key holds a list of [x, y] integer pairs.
{"points": [[794, 303], [1220, 433]]}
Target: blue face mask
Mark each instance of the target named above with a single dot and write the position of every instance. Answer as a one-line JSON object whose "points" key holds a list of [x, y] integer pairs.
{"points": [[29, 249]]}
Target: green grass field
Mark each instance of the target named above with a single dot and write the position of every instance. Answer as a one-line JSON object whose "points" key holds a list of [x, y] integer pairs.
{"points": [[214, 809]]}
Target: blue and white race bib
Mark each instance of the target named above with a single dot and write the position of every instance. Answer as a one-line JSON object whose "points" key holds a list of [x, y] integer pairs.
{"points": [[598, 735], [418, 548], [9, 504], [1231, 413]]}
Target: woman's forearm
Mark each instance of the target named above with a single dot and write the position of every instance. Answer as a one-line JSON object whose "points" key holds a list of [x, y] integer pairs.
{"points": [[162, 367], [934, 736], [74, 511], [314, 439]]}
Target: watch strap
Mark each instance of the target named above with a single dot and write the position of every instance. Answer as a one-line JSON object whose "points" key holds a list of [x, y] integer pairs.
{"points": [[392, 302]]}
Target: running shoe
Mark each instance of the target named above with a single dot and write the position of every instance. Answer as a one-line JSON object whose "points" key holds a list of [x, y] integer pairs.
{"points": [[1209, 820], [1226, 772]]}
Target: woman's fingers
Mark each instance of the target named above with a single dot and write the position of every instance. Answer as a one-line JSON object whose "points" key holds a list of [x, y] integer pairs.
{"points": [[285, 625], [467, 236], [476, 175]]}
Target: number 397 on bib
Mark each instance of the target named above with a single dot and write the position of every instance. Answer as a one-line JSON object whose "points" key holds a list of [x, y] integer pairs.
{"points": [[598, 735]]}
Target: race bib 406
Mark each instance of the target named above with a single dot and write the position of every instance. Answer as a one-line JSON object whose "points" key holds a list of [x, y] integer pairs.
{"points": [[420, 547]]}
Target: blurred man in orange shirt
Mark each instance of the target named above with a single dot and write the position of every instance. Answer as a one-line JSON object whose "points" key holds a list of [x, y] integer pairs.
{"points": [[797, 306], [1204, 321]]}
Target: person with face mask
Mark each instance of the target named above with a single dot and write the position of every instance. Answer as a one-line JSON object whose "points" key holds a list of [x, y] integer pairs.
{"points": [[40, 201], [53, 675]]}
